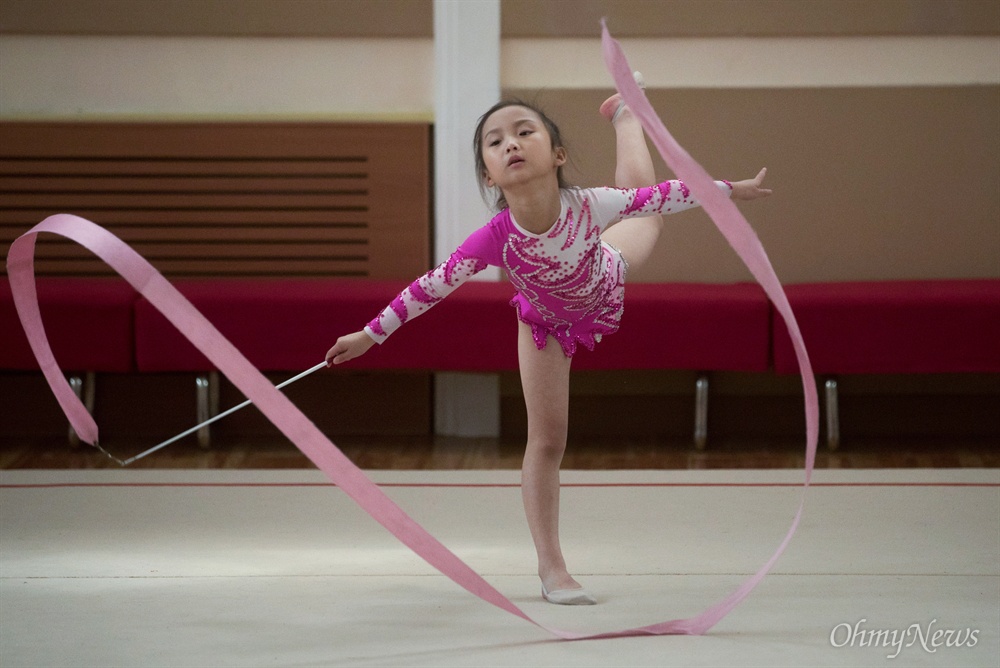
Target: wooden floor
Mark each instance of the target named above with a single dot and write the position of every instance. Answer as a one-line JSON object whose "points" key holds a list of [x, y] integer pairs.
{"points": [[465, 453]]}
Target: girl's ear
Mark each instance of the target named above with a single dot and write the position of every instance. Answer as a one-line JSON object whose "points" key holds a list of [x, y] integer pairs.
{"points": [[487, 180], [560, 156]]}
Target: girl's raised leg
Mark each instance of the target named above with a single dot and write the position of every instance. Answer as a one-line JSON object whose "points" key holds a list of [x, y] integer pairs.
{"points": [[634, 237], [545, 381], [633, 162]]}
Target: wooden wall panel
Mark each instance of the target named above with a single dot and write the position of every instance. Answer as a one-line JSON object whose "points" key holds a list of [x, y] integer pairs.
{"points": [[749, 18], [295, 18], [226, 199], [520, 18]]}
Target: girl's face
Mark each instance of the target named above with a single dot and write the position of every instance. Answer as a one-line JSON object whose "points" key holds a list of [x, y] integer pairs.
{"points": [[517, 148]]}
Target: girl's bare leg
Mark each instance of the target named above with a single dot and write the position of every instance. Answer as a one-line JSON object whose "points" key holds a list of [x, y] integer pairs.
{"points": [[545, 380], [633, 163], [634, 237]]}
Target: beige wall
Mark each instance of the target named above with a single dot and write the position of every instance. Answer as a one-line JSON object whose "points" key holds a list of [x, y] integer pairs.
{"points": [[870, 183], [879, 121]]}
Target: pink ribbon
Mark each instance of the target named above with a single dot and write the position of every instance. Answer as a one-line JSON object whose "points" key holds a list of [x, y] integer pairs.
{"points": [[323, 453], [744, 241]]}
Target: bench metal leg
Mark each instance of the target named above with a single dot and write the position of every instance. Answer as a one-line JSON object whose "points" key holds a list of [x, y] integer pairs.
{"points": [[832, 415], [207, 395], [83, 388], [701, 412]]}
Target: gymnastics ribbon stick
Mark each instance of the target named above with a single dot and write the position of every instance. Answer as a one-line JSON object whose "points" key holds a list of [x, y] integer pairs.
{"points": [[216, 418], [744, 241]]}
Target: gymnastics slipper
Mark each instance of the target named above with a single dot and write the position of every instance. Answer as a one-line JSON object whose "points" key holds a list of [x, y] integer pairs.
{"points": [[568, 596], [610, 102]]}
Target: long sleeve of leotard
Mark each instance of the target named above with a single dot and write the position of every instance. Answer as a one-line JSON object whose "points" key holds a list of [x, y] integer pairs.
{"points": [[481, 249], [663, 198]]}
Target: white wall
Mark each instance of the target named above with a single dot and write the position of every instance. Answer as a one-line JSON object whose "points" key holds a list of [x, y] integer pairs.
{"points": [[45, 77], [205, 77]]}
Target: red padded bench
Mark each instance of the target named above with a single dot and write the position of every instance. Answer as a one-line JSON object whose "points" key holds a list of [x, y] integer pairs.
{"points": [[89, 323], [288, 325], [897, 327], [283, 325]]}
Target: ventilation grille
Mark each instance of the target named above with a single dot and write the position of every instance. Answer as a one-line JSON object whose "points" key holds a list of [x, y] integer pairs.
{"points": [[206, 200]]}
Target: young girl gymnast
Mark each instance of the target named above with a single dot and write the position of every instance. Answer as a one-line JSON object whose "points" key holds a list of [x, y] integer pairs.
{"points": [[566, 255]]}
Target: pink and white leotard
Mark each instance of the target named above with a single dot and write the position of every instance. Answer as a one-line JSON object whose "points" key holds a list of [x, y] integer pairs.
{"points": [[569, 283]]}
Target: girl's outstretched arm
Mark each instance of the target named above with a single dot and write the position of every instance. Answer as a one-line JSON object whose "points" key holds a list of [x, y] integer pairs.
{"points": [[750, 188], [475, 253], [348, 347]]}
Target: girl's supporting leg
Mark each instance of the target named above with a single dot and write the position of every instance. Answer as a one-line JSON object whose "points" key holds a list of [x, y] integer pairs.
{"points": [[545, 381], [634, 237]]}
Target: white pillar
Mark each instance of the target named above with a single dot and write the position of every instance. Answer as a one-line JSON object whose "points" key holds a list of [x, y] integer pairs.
{"points": [[466, 83]]}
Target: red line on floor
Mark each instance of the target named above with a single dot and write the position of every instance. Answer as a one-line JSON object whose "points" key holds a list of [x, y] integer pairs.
{"points": [[499, 485]]}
